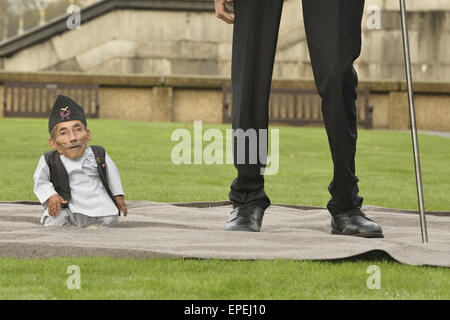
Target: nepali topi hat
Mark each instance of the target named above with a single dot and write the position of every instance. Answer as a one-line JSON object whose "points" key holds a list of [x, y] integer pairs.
{"points": [[65, 109]]}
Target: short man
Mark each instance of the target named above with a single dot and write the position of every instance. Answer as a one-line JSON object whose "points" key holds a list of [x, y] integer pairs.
{"points": [[333, 32], [77, 185]]}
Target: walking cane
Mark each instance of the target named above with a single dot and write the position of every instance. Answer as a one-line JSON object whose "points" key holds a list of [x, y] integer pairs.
{"points": [[412, 113]]}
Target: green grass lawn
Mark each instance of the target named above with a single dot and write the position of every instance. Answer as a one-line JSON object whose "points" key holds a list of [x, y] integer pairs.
{"points": [[109, 278], [141, 150]]}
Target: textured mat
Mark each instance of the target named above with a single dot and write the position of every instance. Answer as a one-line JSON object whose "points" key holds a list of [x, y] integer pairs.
{"points": [[196, 231]]}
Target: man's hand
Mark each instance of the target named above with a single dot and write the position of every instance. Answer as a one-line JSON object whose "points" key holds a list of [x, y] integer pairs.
{"points": [[121, 203], [223, 8], [54, 204]]}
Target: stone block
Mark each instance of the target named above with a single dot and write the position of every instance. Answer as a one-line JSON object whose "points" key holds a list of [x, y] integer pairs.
{"points": [[224, 51], [379, 46], [134, 65], [125, 103], [193, 105], [435, 73], [390, 20], [162, 104], [441, 48], [194, 67], [191, 81], [292, 15], [380, 115], [432, 112], [157, 49], [290, 37], [197, 50], [151, 25], [91, 34], [155, 66], [419, 5], [378, 3], [305, 71], [34, 58], [177, 49], [105, 52], [294, 53], [224, 68], [115, 65], [213, 29], [68, 65], [173, 26], [290, 70], [445, 26], [398, 113]]}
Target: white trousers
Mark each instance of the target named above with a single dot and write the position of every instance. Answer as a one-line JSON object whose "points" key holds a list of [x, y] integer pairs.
{"points": [[68, 218]]}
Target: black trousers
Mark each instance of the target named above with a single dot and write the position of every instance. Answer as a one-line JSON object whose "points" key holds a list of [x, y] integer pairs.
{"points": [[333, 32]]}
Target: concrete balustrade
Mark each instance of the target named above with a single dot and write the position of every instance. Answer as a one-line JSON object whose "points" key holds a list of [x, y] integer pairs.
{"points": [[189, 98]]}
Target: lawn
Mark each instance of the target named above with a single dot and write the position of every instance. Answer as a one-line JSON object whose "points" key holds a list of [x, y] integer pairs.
{"points": [[110, 278], [141, 150]]}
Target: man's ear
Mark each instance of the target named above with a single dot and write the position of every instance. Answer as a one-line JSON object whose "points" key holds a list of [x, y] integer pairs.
{"points": [[52, 143], [88, 134]]}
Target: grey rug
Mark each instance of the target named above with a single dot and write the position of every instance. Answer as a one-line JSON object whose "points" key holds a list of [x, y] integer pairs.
{"points": [[196, 231]]}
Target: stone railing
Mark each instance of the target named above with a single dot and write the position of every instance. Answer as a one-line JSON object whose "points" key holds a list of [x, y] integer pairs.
{"points": [[189, 98]]}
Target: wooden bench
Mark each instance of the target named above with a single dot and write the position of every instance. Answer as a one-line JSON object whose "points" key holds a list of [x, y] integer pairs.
{"points": [[35, 100], [301, 107]]}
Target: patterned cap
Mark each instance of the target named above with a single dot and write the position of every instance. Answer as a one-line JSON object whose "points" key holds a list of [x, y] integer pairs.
{"points": [[65, 109]]}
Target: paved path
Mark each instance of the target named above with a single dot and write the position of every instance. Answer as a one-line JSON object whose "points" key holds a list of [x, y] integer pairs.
{"points": [[436, 133]]}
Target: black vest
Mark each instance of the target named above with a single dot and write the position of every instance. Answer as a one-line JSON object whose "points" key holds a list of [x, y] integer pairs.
{"points": [[60, 178]]}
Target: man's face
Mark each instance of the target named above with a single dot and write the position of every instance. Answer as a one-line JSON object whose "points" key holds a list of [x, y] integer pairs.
{"points": [[71, 139]]}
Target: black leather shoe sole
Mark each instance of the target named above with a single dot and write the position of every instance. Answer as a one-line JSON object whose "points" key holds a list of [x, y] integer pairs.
{"points": [[234, 227], [361, 234]]}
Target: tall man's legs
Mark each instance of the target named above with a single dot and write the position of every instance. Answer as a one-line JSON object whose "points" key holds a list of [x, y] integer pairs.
{"points": [[333, 32], [333, 29], [255, 37]]}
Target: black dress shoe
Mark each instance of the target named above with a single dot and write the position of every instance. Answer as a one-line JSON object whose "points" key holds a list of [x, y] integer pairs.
{"points": [[246, 217], [354, 222]]}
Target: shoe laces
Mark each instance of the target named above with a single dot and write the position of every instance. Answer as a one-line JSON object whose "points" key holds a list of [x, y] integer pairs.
{"points": [[246, 208], [356, 211]]}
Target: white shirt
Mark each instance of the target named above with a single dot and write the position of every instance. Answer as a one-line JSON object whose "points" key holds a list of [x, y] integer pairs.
{"points": [[88, 195]]}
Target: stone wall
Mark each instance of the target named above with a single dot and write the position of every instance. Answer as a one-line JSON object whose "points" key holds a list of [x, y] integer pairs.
{"points": [[382, 50], [185, 99], [157, 42], [137, 41]]}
